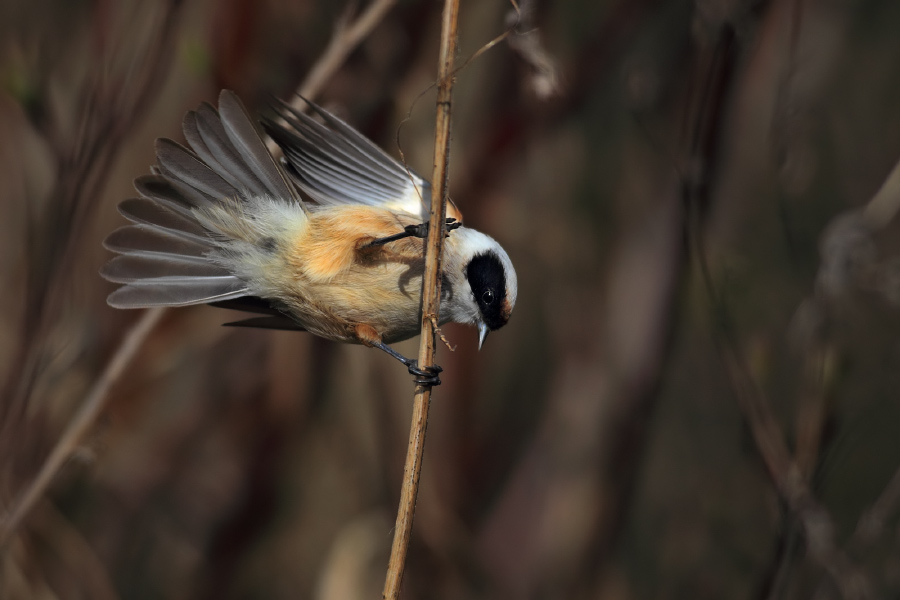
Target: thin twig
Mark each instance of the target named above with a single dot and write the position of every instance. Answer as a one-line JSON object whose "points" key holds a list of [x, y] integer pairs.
{"points": [[82, 420], [787, 477], [431, 294], [344, 40]]}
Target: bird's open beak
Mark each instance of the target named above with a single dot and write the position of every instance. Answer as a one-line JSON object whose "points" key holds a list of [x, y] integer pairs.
{"points": [[483, 332]]}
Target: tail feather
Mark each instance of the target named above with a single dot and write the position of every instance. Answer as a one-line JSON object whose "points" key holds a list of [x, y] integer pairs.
{"points": [[147, 238], [246, 140], [177, 162], [170, 256], [204, 132], [158, 187], [184, 292], [148, 212], [159, 267]]}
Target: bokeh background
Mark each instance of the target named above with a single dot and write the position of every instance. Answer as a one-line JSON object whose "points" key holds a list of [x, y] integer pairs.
{"points": [[696, 397]]}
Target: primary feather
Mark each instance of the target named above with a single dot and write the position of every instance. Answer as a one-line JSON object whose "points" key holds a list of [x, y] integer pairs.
{"points": [[334, 164]]}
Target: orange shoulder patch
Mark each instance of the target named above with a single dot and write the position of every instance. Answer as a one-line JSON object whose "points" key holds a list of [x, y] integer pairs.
{"points": [[329, 244]]}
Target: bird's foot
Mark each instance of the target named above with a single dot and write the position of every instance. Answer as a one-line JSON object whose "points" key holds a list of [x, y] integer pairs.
{"points": [[418, 231], [427, 376], [423, 376], [421, 230]]}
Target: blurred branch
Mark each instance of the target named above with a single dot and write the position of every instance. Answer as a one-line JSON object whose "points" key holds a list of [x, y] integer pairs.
{"points": [[110, 109], [873, 521], [786, 475], [80, 422], [543, 80], [516, 122], [346, 37], [431, 297], [847, 250]]}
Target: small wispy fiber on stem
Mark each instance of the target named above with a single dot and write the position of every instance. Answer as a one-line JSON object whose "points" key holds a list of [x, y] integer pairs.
{"points": [[431, 294]]}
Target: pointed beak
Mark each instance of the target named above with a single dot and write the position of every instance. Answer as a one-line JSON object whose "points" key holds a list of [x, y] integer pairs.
{"points": [[483, 332]]}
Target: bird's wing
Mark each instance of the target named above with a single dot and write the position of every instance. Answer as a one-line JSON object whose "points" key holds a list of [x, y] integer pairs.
{"points": [[335, 164]]}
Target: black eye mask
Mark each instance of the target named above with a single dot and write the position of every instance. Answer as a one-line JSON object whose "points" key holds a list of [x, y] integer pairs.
{"points": [[488, 281]]}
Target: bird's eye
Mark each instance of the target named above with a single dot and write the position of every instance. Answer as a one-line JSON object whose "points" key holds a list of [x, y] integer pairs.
{"points": [[487, 297]]}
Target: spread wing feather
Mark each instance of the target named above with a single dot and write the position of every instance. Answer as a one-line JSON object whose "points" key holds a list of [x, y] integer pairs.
{"points": [[335, 164]]}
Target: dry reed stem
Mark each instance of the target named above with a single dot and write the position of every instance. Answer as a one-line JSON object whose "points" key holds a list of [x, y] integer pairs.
{"points": [[345, 39], [431, 293], [786, 476], [82, 420]]}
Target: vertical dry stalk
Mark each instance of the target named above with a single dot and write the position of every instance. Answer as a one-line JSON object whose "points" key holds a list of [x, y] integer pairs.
{"points": [[431, 294]]}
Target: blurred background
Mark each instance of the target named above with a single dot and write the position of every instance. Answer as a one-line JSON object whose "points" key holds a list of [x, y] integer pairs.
{"points": [[696, 396]]}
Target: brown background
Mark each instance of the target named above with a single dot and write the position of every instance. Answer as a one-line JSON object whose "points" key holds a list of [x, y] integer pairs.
{"points": [[596, 447]]}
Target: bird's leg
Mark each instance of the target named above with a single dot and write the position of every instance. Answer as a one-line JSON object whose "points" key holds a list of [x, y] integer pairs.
{"points": [[419, 231], [424, 376]]}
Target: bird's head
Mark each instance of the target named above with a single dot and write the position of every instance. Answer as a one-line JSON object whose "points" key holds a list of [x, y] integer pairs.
{"points": [[489, 294]]}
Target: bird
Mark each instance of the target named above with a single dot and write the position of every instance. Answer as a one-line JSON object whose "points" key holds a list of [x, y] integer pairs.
{"points": [[328, 238]]}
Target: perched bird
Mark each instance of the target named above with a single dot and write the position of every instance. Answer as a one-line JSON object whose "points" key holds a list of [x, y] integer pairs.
{"points": [[327, 240]]}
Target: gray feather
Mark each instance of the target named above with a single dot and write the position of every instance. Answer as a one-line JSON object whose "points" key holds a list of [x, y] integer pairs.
{"points": [[312, 163], [311, 137], [165, 257], [178, 162], [251, 304], [150, 266], [335, 164], [185, 292], [149, 212], [215, 140], [167, 191], [249, 145], [191, 129], [148, 238]]}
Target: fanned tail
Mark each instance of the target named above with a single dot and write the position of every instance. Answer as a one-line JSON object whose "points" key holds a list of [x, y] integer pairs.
{"points": [[171, 254]]}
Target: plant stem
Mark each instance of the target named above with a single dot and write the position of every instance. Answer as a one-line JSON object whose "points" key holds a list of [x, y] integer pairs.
{"points": [[81, 422], [431, 293]]}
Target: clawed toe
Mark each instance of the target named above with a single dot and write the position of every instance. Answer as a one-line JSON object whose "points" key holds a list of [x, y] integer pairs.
{"points": [[425, 375], [421, 230]]}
